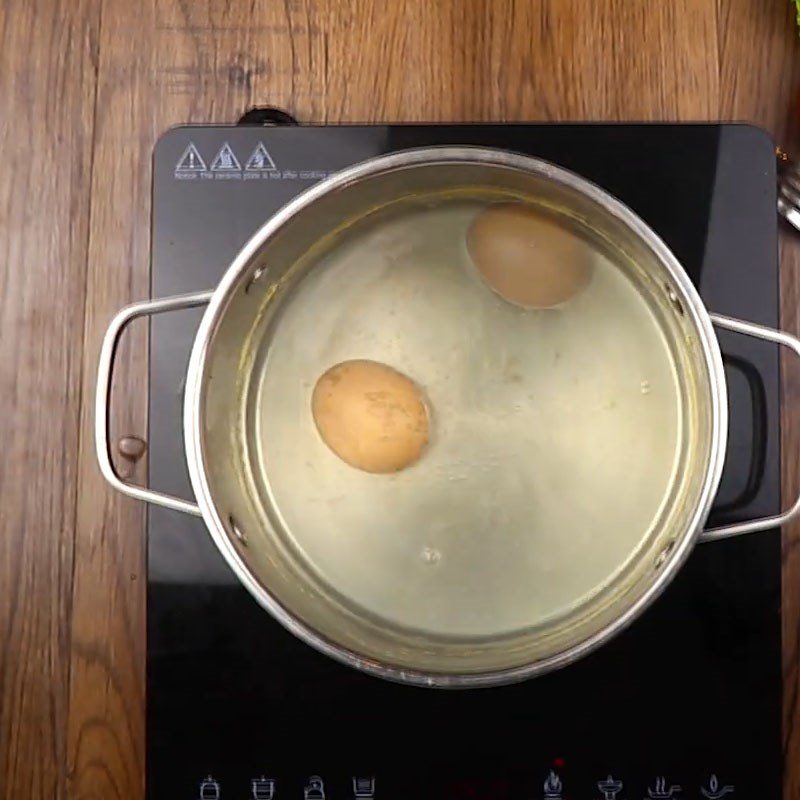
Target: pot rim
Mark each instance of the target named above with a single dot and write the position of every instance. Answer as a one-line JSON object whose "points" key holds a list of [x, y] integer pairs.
{"points": [[440, 155]]}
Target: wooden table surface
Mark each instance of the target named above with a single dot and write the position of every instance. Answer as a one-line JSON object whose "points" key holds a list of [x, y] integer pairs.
{"points": [[86, 87]]}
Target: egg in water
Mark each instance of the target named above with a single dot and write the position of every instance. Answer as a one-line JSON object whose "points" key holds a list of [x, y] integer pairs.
{"points": [[372, 416], [525, 257]]}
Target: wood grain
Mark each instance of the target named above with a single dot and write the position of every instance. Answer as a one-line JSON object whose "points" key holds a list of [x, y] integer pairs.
{"points": [[86, 87], [47, 50], [105, 735]]}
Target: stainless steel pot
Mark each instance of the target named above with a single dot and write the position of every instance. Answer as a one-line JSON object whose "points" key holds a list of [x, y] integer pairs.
{"points": [[249, 530]]}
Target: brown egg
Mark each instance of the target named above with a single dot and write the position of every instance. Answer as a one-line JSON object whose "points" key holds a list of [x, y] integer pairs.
{"points": [[526, 257], [372, 416]]}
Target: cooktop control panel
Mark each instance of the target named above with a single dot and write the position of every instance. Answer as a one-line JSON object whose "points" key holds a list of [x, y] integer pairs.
{"points": [[553, 787]]}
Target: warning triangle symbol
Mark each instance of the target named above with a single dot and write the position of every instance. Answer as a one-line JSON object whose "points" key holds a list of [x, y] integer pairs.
{"points": [[225, 160], [190, 161], [260, 159]]}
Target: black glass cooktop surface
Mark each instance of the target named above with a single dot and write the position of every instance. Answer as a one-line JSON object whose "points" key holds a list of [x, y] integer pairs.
{"points": [[686, 703]]}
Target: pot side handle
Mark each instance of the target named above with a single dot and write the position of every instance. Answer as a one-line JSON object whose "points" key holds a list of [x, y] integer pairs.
{"points": [[103, 396], [764, 523]]}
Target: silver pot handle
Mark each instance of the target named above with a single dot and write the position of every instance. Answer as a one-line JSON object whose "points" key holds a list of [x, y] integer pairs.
{"points": [[103, 396], [764, 523]]}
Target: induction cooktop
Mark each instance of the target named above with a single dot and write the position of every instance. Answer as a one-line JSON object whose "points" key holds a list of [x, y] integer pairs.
{"points": [[686, 703]]}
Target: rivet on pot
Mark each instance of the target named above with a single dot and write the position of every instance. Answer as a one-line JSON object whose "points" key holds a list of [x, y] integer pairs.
{"points": [[237, 531], [674, 299], [131, 447], [662, 556], [256, 275]]}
